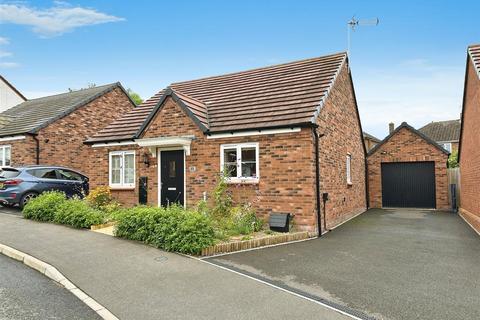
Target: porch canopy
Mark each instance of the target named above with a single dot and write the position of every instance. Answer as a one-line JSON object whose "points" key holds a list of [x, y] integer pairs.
{"points": [[166, 142]]}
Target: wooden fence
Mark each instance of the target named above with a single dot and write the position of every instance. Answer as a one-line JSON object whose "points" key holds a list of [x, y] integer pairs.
{"points": [[454, 178]]}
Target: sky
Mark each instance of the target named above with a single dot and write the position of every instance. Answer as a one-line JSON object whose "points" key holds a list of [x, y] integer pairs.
{"points": [[411, 67]]}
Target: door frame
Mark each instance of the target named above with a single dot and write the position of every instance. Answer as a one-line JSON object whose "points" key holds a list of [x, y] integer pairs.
{"points": [[159, 174]]}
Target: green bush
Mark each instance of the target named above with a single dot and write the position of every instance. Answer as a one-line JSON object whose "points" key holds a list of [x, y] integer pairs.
{"points": [[78, 214], [171, 229], [43, 207], [245, 220]]}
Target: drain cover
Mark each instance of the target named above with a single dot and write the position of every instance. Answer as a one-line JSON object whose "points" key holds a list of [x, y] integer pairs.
{"points": [[160, 259]]}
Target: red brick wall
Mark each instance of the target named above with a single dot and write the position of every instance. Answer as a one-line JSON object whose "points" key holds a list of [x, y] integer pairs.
{"points": [[406, 146], [470, 152], [61, 143], [342, 135], [23, 151]]}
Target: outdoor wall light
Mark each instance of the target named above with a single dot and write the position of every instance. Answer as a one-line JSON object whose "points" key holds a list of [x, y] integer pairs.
{"points": [[146, 159]]}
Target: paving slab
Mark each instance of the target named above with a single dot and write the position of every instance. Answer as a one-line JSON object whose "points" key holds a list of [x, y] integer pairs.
{"points": [[135, 281], [389, 264]]}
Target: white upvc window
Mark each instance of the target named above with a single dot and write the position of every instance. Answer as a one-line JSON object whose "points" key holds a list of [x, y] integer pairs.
{"points": [[448, 146], [349, 169], [5, 156], [240, 162], [121, 172]]}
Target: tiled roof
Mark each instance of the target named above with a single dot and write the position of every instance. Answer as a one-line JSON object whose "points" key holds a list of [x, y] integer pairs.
{"points": [[474, 53], [275, 96], [369, 136], [32, 115], [442, 130]]}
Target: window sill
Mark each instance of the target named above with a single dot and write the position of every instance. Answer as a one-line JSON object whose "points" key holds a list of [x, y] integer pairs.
{"points": [[349, 184], [242, 181], [117, 188]]}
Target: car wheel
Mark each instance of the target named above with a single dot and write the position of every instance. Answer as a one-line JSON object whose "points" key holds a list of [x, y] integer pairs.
{"points": [[26, 198]]}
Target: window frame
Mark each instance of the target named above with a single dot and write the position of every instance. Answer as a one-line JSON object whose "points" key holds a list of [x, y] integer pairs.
{"points": [[348, 169], [239, 147], [449, 144], [3, 155], [122, 184]]}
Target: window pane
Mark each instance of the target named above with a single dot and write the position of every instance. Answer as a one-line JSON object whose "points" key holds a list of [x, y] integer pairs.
{"points": [[249, 169], [116, 168], [248, 154], [70, 175], [172, 173], [7, 156], [230, 155], [44, 173], [230, 169], [129, 177]]}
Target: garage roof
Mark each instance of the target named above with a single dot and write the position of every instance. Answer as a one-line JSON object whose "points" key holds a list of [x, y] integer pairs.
{"points": [[409, 127], [280, 95], [35, 114]]}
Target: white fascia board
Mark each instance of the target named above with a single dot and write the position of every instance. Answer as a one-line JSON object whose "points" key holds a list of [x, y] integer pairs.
{"points": [[12, 138], [113, 144], [253, 133]]}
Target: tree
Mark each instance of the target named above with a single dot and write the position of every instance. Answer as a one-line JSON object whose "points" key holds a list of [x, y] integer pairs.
{"points": [[134, 96], [453, 159]]}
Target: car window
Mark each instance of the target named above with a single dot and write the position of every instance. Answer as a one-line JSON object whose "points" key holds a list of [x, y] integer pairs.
{"points": [[69, 175], [9, 173], [43, 173]]}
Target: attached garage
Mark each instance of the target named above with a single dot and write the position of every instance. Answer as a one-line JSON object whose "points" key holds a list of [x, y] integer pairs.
{"points": [[408, 170]]}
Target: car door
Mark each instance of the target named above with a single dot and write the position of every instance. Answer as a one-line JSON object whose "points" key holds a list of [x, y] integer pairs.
{"points": [[47, 180], [74, 184]]}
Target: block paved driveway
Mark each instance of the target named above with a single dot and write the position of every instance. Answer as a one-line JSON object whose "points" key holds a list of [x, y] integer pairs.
{"points": [[388, 264]]}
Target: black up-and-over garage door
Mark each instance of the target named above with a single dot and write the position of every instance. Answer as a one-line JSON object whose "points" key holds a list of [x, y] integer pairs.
{"points": [[408, 184]]}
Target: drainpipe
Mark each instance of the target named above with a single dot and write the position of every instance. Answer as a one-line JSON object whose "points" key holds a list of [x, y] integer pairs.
{"points": [[37, 142], [316, 138]]}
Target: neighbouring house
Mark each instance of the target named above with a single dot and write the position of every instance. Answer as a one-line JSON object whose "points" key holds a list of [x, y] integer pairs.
{"points": [[407, 169], [469, 149], [9, 95], [51, 130], [445, 133], [283, 135], [370, 141]]}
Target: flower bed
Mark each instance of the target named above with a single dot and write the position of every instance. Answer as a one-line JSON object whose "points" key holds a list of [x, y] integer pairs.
{"points": [[260, 239]]}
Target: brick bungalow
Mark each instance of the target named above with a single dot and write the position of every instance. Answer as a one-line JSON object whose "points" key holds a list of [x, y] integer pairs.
{"points": [[261, 125], [408, 169], [51, 130], [469, 152]]}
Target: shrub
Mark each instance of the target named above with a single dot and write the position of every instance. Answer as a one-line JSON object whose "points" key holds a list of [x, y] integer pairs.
{"points": [[222, 198], [78, 214], [245, 220], [43, 207], [100, 197], [171, 229]]}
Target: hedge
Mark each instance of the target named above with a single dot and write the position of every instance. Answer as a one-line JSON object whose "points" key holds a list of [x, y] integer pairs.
{"points": [[44, 207], [172, 229], [78, 214]]}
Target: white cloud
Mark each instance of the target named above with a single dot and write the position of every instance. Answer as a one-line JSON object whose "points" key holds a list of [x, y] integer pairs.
{"points": [[4, 41], [4, 54], [414, 91], [8, 65], [53, 21]]}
